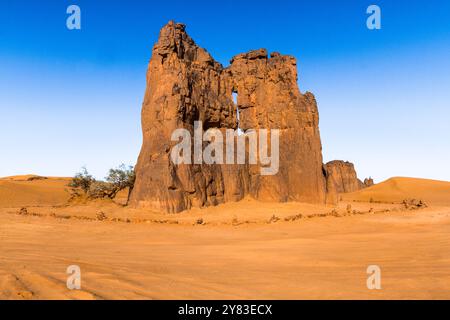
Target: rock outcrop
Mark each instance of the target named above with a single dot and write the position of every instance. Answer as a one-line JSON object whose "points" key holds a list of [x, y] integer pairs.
{"points": [[185, 84], [341, 176], [368, 182]]}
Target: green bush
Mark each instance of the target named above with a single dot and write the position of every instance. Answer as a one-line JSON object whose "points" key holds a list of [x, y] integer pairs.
{"points": [[121, 178], [117, 180], [82, 180]]}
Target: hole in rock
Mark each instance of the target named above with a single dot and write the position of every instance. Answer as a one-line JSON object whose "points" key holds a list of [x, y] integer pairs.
{"points": [[234, 95]]}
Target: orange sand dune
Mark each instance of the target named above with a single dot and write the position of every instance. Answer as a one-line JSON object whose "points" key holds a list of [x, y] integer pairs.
{"points": [[323, 258], [396, 189], [20, 191], [23, 177], [238, 252]]}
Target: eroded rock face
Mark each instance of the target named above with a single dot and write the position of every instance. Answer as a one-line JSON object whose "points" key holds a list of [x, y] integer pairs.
{"points": [[185, 84], [368, 182], [342, 176]]}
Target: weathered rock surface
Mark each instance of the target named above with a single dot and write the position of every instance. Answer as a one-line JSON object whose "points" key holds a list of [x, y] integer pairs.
{"points": [[341, 176], [368, 182], [185, 84]]}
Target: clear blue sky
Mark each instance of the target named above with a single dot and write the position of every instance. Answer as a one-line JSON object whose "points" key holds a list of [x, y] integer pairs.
{"points": [[73, 98]]}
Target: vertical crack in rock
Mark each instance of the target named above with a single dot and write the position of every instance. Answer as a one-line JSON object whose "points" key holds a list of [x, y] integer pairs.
{"points": [[185, 84]]}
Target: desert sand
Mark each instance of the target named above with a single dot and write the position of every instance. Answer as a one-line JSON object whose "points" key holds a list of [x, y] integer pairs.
{"points": [[399, 188], [242, 250]]}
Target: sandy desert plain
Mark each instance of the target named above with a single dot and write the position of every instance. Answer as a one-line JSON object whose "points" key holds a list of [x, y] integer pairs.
{"points": [[241, 250]]}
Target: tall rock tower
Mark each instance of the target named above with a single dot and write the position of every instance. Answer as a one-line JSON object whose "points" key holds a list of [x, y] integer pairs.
{"points": [[185, 84]]}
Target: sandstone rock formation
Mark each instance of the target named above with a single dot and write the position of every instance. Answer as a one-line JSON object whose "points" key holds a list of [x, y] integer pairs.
{"points": [[342, 176], [368, 182], [185, 84]]}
